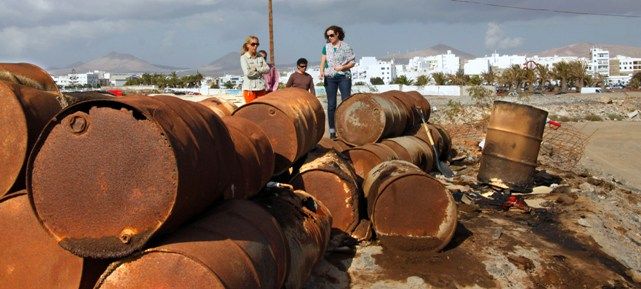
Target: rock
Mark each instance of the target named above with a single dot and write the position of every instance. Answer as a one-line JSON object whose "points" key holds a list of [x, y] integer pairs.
{"points": [[565, 200], [562, 189], [633, 114], [634, 275], [606, 99], [458, 188], [584, 223], [468, 180], [541, 190], [536, 203], [595, 181], [496, 233], [587, 188]]}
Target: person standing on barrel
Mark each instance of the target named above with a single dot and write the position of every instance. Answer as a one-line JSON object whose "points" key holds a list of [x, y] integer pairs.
{"points": [[253, 67], [337, 58]]}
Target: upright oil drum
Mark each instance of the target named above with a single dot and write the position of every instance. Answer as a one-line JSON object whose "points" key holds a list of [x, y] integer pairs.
{"points": [[293, 120], [107, 175], [238, 245], [512, 144]]}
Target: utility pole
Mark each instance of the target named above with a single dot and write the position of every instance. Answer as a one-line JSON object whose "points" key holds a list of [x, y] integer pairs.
{"points": [[271, 32]]}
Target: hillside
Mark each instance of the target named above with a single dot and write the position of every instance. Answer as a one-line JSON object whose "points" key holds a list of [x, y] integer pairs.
{"points": [[117, 63], [583, 50]]}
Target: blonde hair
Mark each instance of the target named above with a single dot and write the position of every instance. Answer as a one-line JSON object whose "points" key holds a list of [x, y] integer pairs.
{"points": [[248, 40]]}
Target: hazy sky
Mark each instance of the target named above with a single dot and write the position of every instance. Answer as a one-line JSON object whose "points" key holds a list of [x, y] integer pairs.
{"points": [[195, 32]]}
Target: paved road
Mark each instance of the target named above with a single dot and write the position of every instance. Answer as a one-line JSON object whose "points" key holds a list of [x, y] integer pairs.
{"points": [[615, 150]]}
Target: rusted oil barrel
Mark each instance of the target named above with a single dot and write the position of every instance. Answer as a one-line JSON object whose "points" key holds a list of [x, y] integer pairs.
{"points": [[28, 75], [24, 112], [512, 143], [292, 118], [31, 258], [412, 101], [306, 223], [363, 231], [365, 158], [219, 106], [107, 175], [335, 144], [366, 118], [71, 98], [409, 208], [255, 158], [330, 179], [413, 150], [237, 245], [442, 140]]}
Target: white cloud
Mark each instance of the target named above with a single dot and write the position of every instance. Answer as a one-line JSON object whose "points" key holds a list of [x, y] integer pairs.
{"points": [[496, 38]]}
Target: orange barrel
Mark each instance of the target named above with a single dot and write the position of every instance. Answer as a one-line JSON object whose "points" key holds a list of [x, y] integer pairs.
{"points": [[292, 118], [512, 143], [411, 101], [31, 258], [331, 179], [306, 223], [413, 150], [24, 112], [255, 157], [408, 207], [442, 140], [107, 175], [335, 144], [237, 245], [219, 106], [366, 118], [28, 75], [366, 157]]}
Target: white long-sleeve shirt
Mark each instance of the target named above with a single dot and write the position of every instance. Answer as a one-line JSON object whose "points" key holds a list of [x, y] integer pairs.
{"points": [[253, 69]]}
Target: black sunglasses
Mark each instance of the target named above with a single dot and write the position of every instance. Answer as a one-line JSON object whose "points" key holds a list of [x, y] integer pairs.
{"points": [[254, 44], [302, 66], [331, 35]]}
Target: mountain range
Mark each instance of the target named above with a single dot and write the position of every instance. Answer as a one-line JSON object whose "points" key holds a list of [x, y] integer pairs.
{"points": [[228, 63]]}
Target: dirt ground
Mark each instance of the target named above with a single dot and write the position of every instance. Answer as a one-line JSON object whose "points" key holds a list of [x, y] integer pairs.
{"points": [[581, 230]]}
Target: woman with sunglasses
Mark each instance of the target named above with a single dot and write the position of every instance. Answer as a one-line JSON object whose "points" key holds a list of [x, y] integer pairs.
{"points": [[337, 58], [253, 67]]}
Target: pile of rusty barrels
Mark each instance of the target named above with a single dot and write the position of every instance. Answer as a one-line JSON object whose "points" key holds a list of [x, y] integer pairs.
{"points": [[153, 192], [375, 177]]}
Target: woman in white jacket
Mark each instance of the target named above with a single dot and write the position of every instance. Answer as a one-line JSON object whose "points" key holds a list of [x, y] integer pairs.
{"points": [[253, 67]]}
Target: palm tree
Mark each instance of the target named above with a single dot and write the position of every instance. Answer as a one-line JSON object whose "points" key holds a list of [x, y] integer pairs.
{"points": [[422, 80], [529, 76], [561, 72], [578, 73], [543, 75], [513, 77], [439, 78], [489, 77], [403, 80], [459, 78]]}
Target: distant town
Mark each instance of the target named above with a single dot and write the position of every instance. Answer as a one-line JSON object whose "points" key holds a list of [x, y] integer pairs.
{"points": [[502, 71]]}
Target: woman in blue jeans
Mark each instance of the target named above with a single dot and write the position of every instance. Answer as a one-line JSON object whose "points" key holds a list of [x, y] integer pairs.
{"points": [[337, 59]]}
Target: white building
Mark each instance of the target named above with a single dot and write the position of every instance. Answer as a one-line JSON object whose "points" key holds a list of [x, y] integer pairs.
{"points": [[599, 62], [447, 63], [369, 67], [481, 65], [77, 79], [236, 80], [549, 61], [117, 79], [628, 65]]}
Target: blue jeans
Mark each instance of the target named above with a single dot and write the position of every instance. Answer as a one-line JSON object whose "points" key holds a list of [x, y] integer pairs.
{"points": [[332, 85]]}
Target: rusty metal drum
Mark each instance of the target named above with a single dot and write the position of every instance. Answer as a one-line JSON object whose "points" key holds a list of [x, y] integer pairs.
{"points": [[306, 223], [366, 157], [236, 245], [408, 206], [442, 140], [411, 102], [330, 179], [107, 175], [219, 106], [413, 150], [31, 258], [28, 75], [366, 118], [255, 158], [335, 144], [292, 118], [512, 144], [24, 112]]}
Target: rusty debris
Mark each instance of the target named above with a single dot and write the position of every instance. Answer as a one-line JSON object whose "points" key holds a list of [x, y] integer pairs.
{"points": [[413, 150], [514, 136], [219, 106], [28, 75], [365, 158], [237, 245], [31, 259], [107, 175], [403, 202]]}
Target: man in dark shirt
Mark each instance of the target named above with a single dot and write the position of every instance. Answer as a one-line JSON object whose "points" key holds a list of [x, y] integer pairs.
{"points": [[300, 78]]}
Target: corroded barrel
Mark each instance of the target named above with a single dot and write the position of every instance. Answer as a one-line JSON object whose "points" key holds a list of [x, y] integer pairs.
{"points": [[28, 75], [255, 158], [512, 144], [237, 245], [442, 140], [292, 118], [335, 144], [107, 175], [365, 158], [24, 112], [219, 106], [330, 179], [405, 204], [366, 118], [31, 258], [306, 223], [413, 150], [411, 102]]}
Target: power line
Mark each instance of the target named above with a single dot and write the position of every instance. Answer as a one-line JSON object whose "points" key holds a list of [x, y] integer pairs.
{"points": [[548, 10]]}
